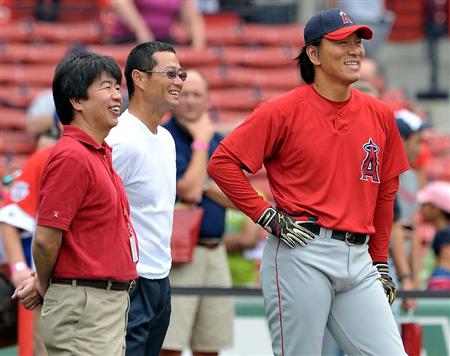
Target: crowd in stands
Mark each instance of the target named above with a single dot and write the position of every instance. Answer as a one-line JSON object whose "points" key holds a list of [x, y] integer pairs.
{"points": [[243, 63]]}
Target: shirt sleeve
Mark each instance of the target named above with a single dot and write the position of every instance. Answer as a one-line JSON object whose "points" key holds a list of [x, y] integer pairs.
{"points": [[258, 138], [226, 170], [63, 187], [383, 218], [123, 157]]}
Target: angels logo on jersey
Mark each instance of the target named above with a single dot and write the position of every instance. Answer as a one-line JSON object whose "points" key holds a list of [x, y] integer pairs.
{"points": [[369, 167]]}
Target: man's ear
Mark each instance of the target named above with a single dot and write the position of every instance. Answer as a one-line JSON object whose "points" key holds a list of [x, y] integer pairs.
{"points": [[313, 54], [138, 78], [76, 103]]}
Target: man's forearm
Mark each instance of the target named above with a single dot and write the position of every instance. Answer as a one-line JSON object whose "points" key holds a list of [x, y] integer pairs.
{"points": [[12, 244], [46, 245], [214, 193]]}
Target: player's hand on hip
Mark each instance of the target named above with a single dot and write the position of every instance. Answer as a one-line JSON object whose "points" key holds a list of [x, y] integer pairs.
{"points": [[388, 284], [285, 227]]}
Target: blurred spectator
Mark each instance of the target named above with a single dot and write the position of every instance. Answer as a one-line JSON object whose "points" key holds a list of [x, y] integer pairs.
{"points": [[436, 27], [373, 13], [244, 246], [372, 72], [366, 87], [411, 128], [400, 263], [440, 278], [263, 11], [17, 223], [47, 10], [148, 20], [435, 209], [40, 120], [209, 6], [41, 117], [203, 324]]}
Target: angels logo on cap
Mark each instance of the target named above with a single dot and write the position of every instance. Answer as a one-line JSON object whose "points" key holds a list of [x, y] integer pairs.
{"points": [[345, 18], [335, 25]]}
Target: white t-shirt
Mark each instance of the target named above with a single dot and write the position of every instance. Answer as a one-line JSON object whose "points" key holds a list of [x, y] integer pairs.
{"points": [[146, 164]]}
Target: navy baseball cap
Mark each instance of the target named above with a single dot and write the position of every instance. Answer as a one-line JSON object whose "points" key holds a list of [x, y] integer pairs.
{"points": [[409, 122], [333, 24], [441, 238]]}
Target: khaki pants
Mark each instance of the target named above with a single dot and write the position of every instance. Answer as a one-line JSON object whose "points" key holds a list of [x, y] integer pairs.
{"points": [[204, 324], [84, 321]]}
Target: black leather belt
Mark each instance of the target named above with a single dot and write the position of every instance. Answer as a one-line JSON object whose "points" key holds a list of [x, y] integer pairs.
{"points": [[210, 244], [100, 284], [349, 237]]}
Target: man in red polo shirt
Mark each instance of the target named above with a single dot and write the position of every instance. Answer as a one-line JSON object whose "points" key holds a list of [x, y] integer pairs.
{"points": [[84, 247]]}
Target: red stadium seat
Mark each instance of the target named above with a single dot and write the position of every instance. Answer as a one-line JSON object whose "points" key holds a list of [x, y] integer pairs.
{"points": [[409, 18], [438, 168], [285, 78], [31, 74], [118, 52], [19, 31], [242, 98], [190, 57], [234, 98], [223, 115], [439, 144], [16, 142], [273, 35], [217, 76], [221, 19], [221, 35], [78, 32], [19, 96], [259, 57], [32, 53], [12, 119]]}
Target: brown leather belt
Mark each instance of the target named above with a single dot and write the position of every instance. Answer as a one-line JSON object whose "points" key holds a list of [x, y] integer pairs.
{"points": [[99, 284], [349, 237]]}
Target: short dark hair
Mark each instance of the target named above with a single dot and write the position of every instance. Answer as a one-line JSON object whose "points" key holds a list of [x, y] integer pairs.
{"points": [[305, 65], [141, 58], [74, 75]]}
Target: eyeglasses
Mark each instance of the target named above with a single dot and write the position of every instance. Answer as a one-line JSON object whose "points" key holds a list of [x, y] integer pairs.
{"points": [[170, 73]]}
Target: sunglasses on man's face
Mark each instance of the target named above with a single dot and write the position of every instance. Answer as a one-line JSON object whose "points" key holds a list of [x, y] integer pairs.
{"points": [[170, 73]]}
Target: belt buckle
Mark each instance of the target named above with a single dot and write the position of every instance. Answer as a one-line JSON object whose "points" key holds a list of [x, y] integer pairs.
{"points": [[348, 236], [132, 285]]}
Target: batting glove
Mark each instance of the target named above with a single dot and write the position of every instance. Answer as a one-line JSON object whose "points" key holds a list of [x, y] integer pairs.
{"points": [[388, 284], [285, 227]]}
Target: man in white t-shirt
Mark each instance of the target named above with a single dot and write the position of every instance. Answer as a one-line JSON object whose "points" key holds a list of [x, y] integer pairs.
{"points": [[144, 156]]}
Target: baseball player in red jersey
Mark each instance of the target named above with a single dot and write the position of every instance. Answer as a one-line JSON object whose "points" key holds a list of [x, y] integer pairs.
{"points": [[17, 221], [333, 156]]}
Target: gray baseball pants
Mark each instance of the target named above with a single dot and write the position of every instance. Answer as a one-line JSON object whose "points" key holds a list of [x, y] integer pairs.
{"points": [[326, 284]]}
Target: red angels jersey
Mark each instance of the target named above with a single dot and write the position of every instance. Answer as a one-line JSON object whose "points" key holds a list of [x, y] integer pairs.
{"points": [[323, 158], [19, 209]]}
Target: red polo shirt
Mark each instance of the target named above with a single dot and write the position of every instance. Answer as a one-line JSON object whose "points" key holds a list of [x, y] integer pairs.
{"points": [[82, 195]]}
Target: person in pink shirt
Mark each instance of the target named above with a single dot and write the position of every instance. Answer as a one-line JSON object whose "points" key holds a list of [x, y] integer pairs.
{"points": [[149, 20]]}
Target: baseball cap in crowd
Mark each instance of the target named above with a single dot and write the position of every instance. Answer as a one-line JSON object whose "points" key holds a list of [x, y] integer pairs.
{"points": [[441, 238], [409, 122], [436, 193], [333, 24]]}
